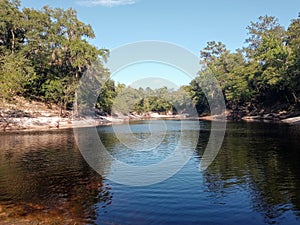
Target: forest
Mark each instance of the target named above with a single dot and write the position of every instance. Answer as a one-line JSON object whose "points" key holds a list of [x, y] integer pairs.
{"points": [[44, 53]]}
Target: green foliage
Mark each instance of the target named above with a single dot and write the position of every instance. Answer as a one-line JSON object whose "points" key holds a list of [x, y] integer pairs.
{"points": [[106, 96], [266, 71], [44, 53], [153, 104], [126, 98], [143, 101], [15, 71], [293, 42]]}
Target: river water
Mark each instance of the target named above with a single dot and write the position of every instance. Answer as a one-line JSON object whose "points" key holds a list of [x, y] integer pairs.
{"points": [[255, 178]]}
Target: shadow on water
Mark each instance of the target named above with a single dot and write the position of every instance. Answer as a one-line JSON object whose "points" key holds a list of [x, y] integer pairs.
{"points": [[254, 179], [43, 178], [263, 160]]}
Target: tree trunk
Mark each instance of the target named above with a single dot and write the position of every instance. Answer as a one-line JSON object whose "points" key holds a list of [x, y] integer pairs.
{"points": [[12, 41], [61, 109], [5, 121], [295, 97], [75, 104]]}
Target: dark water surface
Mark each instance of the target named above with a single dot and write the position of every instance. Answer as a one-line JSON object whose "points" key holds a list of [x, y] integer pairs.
{"points": [[255, 178]]}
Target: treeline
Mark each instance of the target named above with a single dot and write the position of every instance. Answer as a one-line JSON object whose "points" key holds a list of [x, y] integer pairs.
{"points": [[161, 100], [263, 76], [260, 78], [43, 53]]}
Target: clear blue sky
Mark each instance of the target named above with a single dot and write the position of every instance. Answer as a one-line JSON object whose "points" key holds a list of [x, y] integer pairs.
{"points": [[188, 23]]}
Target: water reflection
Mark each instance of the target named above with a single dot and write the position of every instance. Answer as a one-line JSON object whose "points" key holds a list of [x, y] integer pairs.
{"points": [[133, 163], [261, 159], [254, 180], [44, 178]]}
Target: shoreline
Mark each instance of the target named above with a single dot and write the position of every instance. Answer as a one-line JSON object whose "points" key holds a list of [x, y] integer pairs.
{"points": [[22, 115], [44, 123]]}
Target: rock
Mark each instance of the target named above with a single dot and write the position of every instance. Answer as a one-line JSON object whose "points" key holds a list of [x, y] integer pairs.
{"points": [[251, 118], [292, 121], [282, 117]]}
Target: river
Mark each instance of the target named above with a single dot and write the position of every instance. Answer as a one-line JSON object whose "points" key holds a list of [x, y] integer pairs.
{"points": [[255, 178]]}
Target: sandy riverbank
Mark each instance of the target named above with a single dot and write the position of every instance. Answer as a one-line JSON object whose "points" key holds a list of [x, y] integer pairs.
{"points": [[44, 122], [47, 123], [54, 123], [26, 116]]}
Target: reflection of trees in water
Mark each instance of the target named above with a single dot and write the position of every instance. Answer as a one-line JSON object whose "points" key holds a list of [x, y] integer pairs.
{"points": [[43, 177], [262, 159]]}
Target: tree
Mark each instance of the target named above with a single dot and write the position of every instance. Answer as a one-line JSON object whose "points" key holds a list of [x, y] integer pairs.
{"points": [[106, 97], [15, 71], [229, 69], [182, 103], [268, 51], [263, 74], [293, 42], [126, 100], [197, 96], [257, 31], [60, 42], [15, 68], [11, 24]]}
